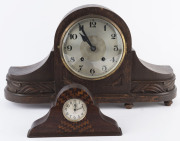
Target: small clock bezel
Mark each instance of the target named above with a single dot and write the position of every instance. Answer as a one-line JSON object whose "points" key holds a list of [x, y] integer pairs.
{"points": [[103, 18], [66, 117]]}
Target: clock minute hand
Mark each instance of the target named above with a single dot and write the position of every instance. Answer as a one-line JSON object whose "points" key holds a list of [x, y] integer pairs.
{"points": [[75, 106], [86, 39]]}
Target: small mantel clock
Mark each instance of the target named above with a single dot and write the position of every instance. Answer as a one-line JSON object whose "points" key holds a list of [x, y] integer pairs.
{"points": [[92, 47], [74, 113]]}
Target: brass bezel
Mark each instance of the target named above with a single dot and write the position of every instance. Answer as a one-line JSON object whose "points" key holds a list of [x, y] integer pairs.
{"points": [[92, 16], [71, 119]]}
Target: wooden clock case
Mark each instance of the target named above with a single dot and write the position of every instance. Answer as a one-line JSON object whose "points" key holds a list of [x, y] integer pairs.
{"points": [[54, 124], [134, 81]]}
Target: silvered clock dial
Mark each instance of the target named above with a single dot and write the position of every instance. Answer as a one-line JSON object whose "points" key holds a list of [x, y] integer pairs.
{"points": [[92, 47], [74, 110]]}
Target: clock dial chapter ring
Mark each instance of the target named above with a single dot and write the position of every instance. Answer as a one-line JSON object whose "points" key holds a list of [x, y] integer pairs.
{"points": [[74, 110], [92, 63]]}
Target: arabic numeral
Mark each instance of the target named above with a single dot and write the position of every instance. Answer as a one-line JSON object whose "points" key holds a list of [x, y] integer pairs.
{"points": [[113, 60], [92, 71], [69, 47], [92, 24], [113, 36], [104, 68], [73, 36], [72, 59], [80, 68], [67, 105], [115, 48], [104, 27]]}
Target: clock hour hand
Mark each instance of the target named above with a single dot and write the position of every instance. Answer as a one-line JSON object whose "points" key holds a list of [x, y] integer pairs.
{"points": [[86, 39], [79, 108]]}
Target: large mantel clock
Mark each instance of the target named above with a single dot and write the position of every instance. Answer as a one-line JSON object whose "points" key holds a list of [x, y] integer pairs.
{"points": [[92, 47]]}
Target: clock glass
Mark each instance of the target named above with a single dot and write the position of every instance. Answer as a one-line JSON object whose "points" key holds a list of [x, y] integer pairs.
{"points": [[92, 47], [74, 110]]}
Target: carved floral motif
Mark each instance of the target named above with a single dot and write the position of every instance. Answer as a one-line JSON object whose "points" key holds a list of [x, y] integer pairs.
{"points": [[30, 87], [152, 86]]}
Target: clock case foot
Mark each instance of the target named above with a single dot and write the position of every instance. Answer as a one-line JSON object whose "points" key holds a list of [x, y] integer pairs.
{"points": [[94, 123], [36, 84]]}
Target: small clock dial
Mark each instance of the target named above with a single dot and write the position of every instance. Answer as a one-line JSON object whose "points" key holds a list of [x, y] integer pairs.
{"points": [[74, 110], [92, 48]]}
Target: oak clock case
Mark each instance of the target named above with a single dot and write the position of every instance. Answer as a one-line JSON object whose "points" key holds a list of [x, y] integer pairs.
{"points": [[60, 122], [128, 80]]}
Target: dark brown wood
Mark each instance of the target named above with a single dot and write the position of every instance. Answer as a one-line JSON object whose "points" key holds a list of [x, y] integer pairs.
{"points": [[120, 79], [128, 105], [32, 84], [134, 81], [55, 125], [168, 103]]}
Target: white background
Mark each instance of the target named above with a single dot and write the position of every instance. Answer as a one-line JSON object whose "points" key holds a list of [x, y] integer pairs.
{"points": [[27, 30]]}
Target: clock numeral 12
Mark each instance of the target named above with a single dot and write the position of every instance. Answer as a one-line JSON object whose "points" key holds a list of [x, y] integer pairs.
{"points": [[92, 24]]}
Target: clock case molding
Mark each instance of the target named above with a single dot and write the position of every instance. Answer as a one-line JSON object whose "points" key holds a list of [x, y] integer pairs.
{"points": [[134, 81]]}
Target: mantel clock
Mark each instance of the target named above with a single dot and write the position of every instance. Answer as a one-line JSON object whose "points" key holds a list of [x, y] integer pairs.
{"points": [[92, 47]]}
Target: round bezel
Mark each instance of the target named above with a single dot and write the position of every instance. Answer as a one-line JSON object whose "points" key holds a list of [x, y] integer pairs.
{"points": [[74, 120], [97, 77]]}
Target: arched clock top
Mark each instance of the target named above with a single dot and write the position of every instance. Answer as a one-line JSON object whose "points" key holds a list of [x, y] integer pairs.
{"points": [[92, 42], [94, 10]]}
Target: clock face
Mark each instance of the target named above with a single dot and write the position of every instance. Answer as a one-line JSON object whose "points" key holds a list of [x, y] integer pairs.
{"points": [[92, 47], [74, 110]]}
